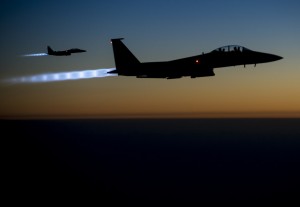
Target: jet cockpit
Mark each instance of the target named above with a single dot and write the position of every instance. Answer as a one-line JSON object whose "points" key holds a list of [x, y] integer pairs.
{"points": [[231, 48]]}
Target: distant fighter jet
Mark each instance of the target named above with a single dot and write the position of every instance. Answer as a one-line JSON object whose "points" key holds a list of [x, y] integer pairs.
{"points": [[196, 66], [64, 52]]}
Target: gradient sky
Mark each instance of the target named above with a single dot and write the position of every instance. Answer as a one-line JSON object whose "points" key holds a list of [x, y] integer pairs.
{"points": [[154, 31]]}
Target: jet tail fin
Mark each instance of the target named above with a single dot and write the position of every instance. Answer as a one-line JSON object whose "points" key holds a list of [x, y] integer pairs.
{"points": [[124, 59], [49, 49]]}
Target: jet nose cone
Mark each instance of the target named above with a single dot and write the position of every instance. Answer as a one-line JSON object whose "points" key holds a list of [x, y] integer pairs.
{"points": [[276, 57]]}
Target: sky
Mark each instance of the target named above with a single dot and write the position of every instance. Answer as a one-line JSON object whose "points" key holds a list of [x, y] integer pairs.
{"points": [[154, 31]]}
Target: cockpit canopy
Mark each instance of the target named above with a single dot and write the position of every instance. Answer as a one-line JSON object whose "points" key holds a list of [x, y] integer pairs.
{"points": [[231, 48]]}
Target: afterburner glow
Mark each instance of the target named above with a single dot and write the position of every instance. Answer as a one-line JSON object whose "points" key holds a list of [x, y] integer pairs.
{"points": [[64, 76], [35, 55]]}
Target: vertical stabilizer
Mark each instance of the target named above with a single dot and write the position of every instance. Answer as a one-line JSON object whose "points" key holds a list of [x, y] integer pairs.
{"points": [[124, 59], [50, 51]]}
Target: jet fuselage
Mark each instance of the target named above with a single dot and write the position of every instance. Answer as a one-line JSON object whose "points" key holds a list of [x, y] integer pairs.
{"points": [[195, 66], [64, 52]]}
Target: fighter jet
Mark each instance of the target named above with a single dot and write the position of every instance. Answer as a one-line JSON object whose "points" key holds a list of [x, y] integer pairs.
{"points": [[64, 52], [196, 66]]}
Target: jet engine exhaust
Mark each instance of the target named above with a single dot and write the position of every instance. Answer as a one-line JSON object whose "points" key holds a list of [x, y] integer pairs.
{"points": [[35, 55], [63, 76]]}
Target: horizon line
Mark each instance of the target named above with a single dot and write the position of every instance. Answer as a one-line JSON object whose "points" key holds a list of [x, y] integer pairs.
{"points": [[198, 115]]}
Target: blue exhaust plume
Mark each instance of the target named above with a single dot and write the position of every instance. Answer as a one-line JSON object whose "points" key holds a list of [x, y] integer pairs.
{"points": [[35, 55], [64, 76]]}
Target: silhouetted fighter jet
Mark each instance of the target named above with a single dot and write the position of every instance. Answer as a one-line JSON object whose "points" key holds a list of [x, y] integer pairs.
{"points": [[64, 52], [196, 66]]}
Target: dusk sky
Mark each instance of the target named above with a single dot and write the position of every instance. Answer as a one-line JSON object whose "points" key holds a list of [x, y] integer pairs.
{"points": [[154, 31]]}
